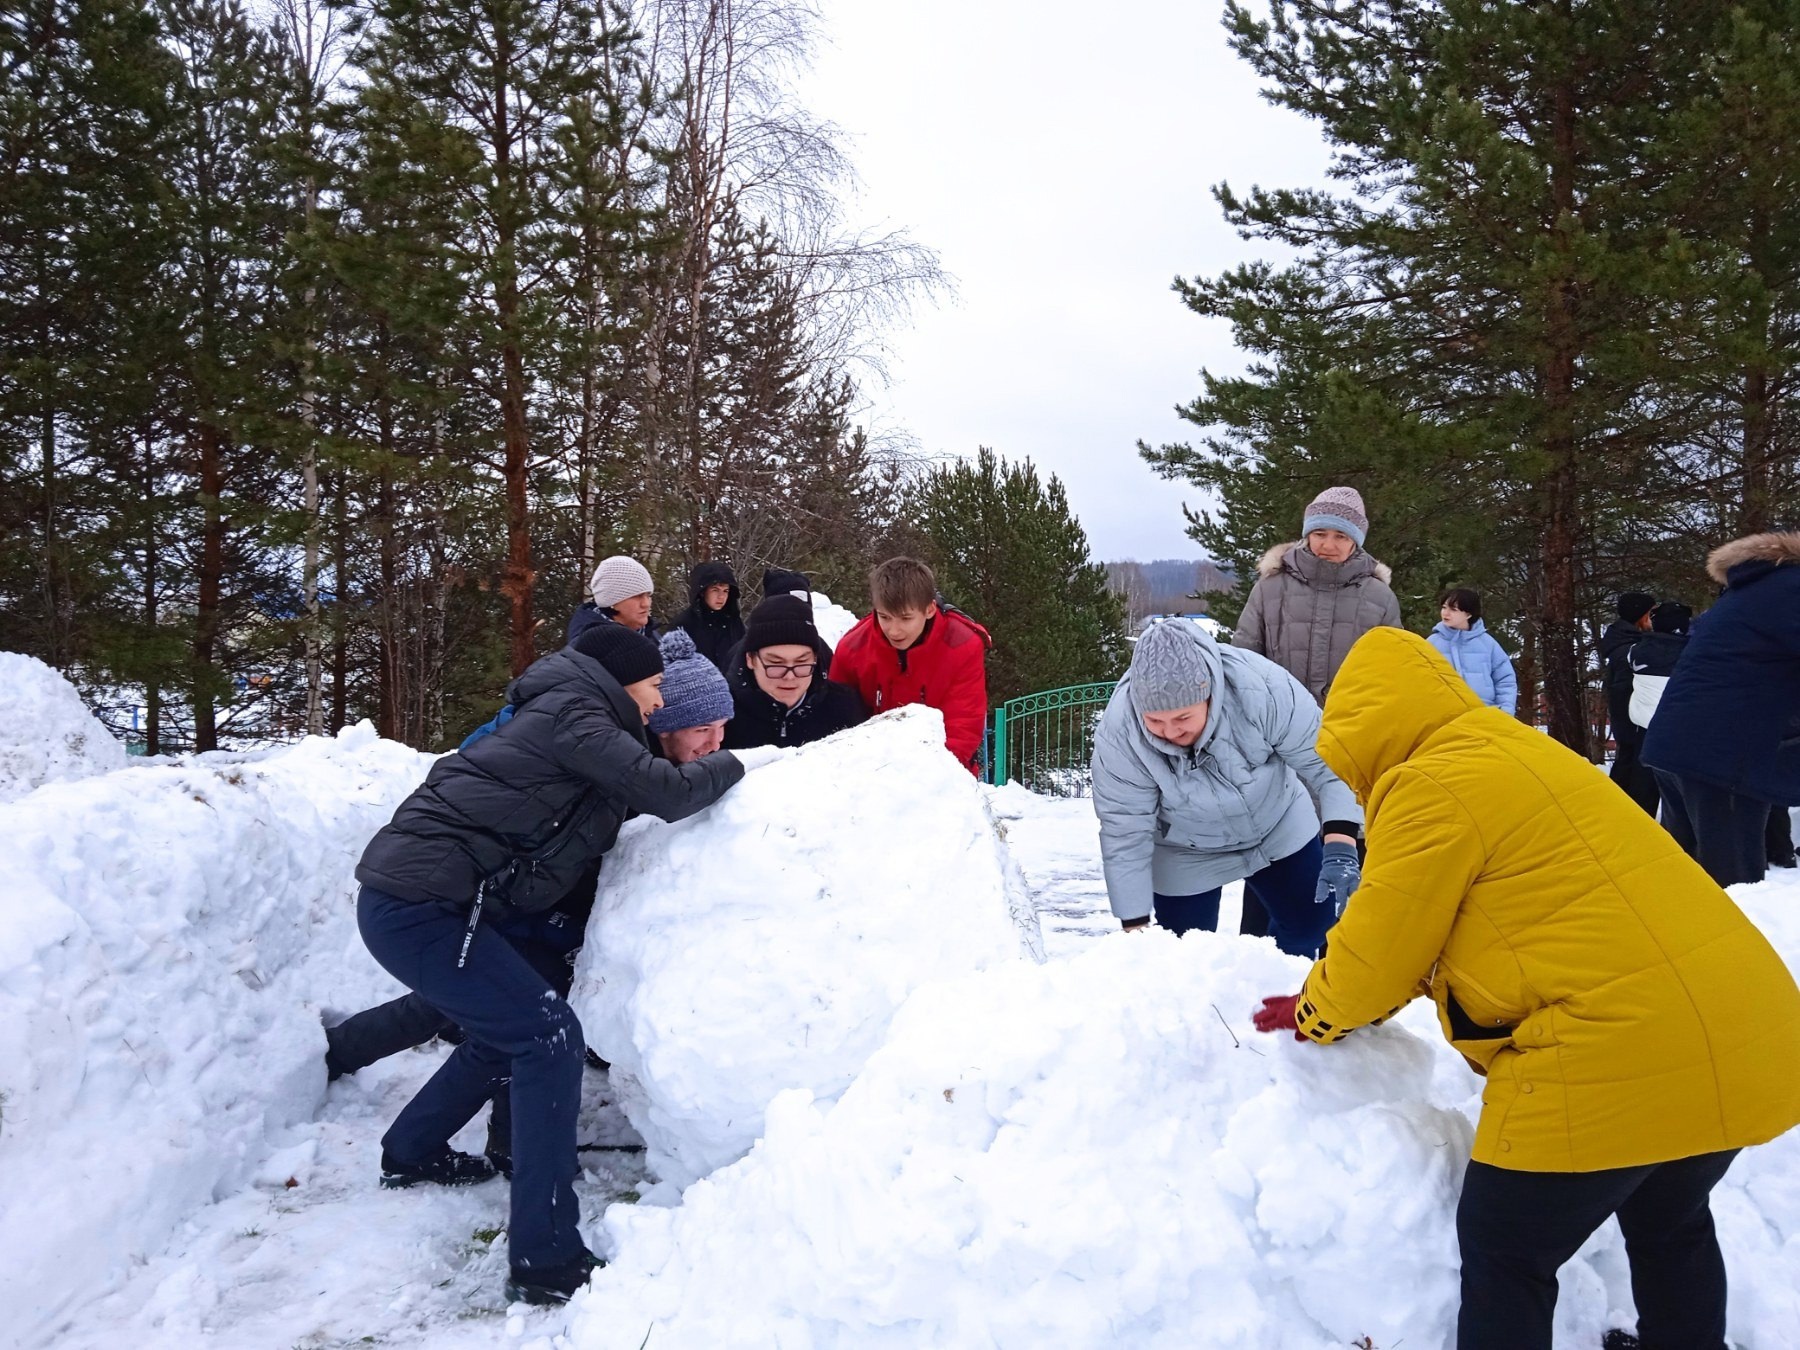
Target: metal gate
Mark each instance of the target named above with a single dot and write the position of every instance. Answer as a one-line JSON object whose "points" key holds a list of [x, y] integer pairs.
{"points": [[1046, 740]]}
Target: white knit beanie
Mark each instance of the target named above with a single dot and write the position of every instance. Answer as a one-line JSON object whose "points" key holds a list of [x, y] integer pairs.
{"points": [[619, 578]]}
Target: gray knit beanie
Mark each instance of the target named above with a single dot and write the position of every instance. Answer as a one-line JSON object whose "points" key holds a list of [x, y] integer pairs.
{"points": [[1338, 508], [1168, 669], [693, 691], [619, 578]]}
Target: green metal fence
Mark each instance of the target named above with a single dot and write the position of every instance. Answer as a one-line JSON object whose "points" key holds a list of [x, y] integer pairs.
{"points": [[1045, 740]]}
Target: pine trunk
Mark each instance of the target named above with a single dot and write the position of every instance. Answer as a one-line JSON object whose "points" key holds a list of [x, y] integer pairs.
{"points": [[211, 586]]}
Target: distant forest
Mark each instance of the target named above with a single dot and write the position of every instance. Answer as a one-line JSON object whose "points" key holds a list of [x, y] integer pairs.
{"points": [[1168, 585]]}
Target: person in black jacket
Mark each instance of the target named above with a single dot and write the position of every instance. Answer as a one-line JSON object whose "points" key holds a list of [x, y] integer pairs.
{"points": [[1652, 658], [1616, 642], [779, 692], [711, 618], [620, 591], [495, 837], [1725, 742]]}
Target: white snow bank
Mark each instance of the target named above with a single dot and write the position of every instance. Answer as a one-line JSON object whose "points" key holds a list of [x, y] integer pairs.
{"points": [[1100, 1152], [47, 735], [1093, 1152], [161, 933], [766, 943], [832, 621]]}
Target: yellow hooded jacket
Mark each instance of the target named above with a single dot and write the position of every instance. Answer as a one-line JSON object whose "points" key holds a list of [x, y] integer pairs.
{"points": [[1624, 1010]]}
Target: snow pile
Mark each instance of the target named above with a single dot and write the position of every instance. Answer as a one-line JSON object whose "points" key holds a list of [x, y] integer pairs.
{"points": [[1092, 1152], [161, 935], [47, 735], [1099, 1151], [766, 943], [832, 621]]}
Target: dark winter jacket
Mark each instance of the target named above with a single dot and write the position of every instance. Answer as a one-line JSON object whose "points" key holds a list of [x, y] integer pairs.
{"points": [[1305, 614], [1653, 659], [1615, 673], [587, 614], [715, 631], [945, 669], [757, 719], [1731, 713], [526, 809]]}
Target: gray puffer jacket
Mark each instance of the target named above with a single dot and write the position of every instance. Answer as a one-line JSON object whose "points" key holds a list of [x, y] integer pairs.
{"points": [[1177, 821], [1304, 613]]}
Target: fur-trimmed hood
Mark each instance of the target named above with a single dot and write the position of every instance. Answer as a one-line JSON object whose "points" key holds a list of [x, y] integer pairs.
{"points": [[1272, 560], [1774, 547]]}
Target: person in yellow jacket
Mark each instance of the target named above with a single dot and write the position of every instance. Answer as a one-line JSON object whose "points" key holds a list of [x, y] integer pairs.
{"points": [[1635, 1029]]}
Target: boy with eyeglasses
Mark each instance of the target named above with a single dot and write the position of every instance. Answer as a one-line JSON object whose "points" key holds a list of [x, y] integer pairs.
{"points": [[779, 692], [916, 649]]}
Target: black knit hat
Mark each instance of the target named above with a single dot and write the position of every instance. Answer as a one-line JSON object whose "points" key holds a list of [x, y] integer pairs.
{"points": [[1633, 605], [1671, 616], [779, 621], [627, 654]]}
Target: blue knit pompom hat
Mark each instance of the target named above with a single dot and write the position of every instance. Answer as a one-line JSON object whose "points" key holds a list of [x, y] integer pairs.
{"points": [[694, 692]]}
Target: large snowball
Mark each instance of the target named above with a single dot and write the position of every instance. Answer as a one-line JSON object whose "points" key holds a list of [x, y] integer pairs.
{"points": [[766, 943], [1094, 1152], [47, 735]]}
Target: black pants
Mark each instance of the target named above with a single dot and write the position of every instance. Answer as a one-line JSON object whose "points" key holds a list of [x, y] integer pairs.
{"points": [[1778, 838], [1635, 777], [386, 1029], [1517, 1228], [1722, 831]]}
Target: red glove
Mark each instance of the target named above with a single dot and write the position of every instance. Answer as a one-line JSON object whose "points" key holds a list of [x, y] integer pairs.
{"points": [[1277, 1014]]}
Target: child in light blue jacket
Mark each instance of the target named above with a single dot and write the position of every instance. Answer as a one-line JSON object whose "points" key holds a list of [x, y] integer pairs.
{"points": [[1471, 649]]}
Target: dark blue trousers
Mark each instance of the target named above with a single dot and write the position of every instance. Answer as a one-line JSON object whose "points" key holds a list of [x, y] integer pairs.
{"points": [[518, 1028], [1285, 889]]}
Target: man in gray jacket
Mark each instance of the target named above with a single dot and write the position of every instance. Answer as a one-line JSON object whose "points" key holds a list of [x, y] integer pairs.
{"points": [[1205, 769]]}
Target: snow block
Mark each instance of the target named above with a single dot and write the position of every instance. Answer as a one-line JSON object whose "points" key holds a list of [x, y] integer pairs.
{"points": [[832, 621], [166, 937], [766, 943], [47, 735], [1093, 1152]]}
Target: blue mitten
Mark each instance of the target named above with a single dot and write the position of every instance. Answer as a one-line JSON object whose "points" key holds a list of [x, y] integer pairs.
{"points": [[1339, 876]]}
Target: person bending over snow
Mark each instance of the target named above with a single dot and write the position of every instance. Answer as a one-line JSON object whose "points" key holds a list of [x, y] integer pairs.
{"points": [[1634, 1028], [1204, 773], [495, 836]]}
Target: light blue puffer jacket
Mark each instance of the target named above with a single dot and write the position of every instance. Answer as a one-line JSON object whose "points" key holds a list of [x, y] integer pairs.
{"points": [[1482, 662], [1177, 821]]}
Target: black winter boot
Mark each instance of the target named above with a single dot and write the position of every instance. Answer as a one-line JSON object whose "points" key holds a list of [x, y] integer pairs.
{"points": [[449, 1168], [552, 1284]]}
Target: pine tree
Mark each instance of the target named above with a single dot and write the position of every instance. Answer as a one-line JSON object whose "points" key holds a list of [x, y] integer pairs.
{"points": [[1007, 548], [1495, 333]]}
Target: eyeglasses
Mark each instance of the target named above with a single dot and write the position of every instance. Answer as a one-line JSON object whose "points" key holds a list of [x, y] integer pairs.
{"points": [[775, 670]]}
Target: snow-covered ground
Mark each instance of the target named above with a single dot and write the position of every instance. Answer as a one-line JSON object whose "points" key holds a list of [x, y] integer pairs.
{"points": [[1091, 1151]]}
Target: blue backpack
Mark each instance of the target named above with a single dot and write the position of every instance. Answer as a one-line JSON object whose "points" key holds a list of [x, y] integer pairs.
{"points": [[489, 727]]}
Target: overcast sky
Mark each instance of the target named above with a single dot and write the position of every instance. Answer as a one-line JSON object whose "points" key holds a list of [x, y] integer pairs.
{"points": [[1060, 159]]}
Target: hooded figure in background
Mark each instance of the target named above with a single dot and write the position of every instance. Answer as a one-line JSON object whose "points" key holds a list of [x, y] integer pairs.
{"points": [[1315, 598], [712, 619], [1205, 773], [1634, 1028], [1628, 770]]}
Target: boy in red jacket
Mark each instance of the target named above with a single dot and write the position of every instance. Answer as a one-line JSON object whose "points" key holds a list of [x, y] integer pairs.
{"points": [[910, 650]]}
